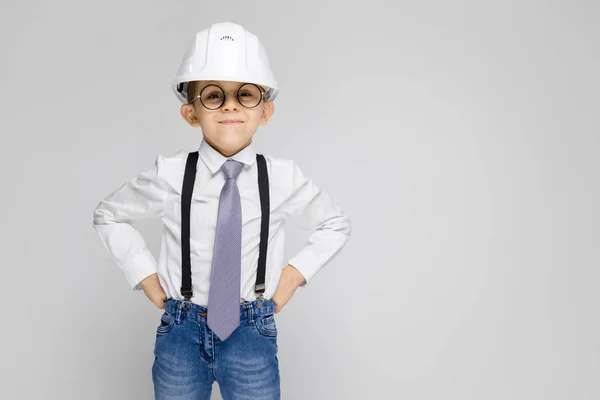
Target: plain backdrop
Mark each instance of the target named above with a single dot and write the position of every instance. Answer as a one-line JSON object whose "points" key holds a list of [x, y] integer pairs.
{"points": [[461, 137]]}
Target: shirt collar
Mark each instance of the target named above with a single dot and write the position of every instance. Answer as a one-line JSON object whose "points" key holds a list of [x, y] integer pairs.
{"points": [[214, 160]]}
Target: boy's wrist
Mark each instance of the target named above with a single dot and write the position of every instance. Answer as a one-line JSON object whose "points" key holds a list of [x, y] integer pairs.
{"points": [[292, 275], [149, 282]]}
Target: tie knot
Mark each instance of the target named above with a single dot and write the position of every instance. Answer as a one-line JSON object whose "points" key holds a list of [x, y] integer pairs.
{"points": [[232, 168]]}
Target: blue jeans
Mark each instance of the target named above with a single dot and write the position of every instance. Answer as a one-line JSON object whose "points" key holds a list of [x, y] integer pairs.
{"points": [[189, 357]]}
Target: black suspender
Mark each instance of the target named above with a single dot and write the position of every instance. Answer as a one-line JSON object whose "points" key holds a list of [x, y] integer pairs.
{"points": [[186, 199], [263, 188]]}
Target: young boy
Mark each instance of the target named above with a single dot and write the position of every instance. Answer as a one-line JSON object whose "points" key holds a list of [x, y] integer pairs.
{"points": [[221, 275]]}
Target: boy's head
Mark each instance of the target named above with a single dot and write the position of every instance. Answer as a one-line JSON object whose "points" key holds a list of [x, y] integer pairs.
{"points": [[226, 86], [228, 112]]}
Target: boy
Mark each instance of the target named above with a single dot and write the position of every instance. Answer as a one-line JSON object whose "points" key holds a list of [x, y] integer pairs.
{"points": [[221, 275]]}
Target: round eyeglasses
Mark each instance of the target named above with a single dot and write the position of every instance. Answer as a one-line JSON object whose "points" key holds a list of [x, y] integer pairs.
{"points": [[212, 96]]}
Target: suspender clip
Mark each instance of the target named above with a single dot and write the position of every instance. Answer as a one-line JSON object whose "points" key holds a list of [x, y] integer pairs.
{"points": [[187, 294], [260, 299]]}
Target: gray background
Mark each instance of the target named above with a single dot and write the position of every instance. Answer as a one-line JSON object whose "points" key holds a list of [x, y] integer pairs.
{"points": [[461, 137]]}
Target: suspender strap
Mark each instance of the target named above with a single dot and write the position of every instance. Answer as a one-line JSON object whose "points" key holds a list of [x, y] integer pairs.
{"points": [[263, 187], [186, 200]]}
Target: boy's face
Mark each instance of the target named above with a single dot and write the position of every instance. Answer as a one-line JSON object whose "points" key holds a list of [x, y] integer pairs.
{"points": [[229, 128]]}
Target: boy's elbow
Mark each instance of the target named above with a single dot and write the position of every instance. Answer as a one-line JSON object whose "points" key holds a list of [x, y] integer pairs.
{"points": [[341, 224], [347, 226], [101, 216], [349, 222], [97, 215]]}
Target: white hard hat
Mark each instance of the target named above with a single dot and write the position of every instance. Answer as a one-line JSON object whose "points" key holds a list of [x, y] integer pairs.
{"points": [[226, 52]]}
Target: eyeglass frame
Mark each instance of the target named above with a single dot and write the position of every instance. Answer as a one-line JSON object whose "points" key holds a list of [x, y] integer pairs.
{"points": [[225, 94]]}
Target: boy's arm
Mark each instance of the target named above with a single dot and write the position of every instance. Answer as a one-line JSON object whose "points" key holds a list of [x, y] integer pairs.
{"points": [[142, 197], [310, 208]]}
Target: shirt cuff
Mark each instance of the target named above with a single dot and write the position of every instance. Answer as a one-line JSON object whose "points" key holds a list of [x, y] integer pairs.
{"points": [[306, 263], [139, 268]]}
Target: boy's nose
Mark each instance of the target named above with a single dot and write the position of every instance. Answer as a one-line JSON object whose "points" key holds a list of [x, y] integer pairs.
{"points": [[230, 104]]}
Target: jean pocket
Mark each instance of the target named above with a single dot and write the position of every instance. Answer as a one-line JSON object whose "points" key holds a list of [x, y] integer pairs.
{"points": [[266, 326], [166, 324]]}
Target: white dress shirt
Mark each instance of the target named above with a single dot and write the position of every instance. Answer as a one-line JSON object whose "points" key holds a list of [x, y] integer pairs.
{"points": [[157, 193]]}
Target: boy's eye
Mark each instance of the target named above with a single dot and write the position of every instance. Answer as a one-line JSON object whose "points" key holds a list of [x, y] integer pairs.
{"points": [[214, 96]]}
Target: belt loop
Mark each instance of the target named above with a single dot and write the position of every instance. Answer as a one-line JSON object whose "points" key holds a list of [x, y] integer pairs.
{"points": [[178, 312], [250, 309]]}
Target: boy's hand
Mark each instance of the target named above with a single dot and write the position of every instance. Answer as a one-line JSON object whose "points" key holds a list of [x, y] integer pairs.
{"points": [[154, 291], [290, 279]]}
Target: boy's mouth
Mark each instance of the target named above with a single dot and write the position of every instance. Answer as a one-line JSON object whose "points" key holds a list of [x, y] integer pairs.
{"points": [[229, 122]]}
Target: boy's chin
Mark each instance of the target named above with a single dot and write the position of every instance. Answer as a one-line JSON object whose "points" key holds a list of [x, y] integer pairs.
{"points": [[228, 141]]}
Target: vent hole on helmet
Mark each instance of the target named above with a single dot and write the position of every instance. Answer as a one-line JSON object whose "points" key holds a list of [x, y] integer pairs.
{"points": [[228, 38]]}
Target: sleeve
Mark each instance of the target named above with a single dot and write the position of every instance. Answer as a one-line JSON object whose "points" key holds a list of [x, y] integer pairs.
{"points": [[310, 208], [142, 197]]}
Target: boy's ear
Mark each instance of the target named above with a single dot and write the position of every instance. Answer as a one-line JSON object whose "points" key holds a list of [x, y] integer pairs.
{"points": [[189, 114], [268, 111]]}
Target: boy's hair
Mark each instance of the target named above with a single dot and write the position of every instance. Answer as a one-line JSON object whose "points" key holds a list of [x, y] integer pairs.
{"points": [[191, 90]]}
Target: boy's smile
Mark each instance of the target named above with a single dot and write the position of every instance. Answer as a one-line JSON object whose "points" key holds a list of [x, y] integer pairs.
{"points": [[230, 128]]}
